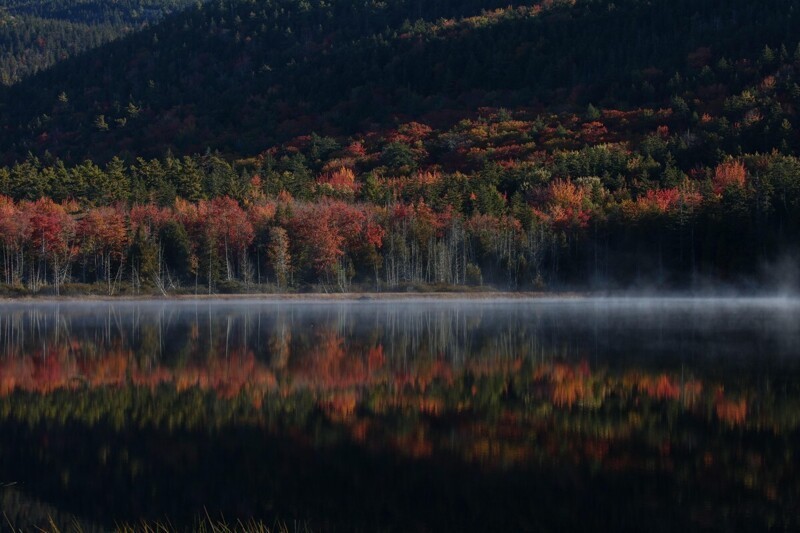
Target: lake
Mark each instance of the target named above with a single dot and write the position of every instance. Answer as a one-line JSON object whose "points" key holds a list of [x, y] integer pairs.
{"points": [[624, 414]]}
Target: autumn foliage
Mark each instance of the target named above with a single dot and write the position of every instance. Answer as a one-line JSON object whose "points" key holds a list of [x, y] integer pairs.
{"points": [[516, 199], [729, 174]]}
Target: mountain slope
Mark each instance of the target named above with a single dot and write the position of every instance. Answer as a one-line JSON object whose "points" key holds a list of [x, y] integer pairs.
{"points": [[238, 76]]}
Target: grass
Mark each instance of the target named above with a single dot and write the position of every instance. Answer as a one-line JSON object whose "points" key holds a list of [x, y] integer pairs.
{"points": [[201, 525], [209, 525]]}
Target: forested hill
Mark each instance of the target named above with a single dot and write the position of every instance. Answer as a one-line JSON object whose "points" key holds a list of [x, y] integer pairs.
{"points": [[412, 143], [35, 34], [240, 75]]}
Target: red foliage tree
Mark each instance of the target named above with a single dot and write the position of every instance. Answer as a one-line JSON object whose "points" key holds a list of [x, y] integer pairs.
{"points": [[53, 231], [317, 237], [230, 227], [149, 219]]}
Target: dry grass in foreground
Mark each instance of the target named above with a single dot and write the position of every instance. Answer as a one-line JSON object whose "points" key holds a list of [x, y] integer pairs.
{"points": [[204, 525]]}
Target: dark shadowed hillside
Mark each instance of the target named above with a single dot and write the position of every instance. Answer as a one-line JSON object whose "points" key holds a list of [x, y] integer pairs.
{"points": [[237, 76], [35, 35]]}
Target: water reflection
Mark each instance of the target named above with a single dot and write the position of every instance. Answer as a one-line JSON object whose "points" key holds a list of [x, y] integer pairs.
{"points": [[413, 415]]}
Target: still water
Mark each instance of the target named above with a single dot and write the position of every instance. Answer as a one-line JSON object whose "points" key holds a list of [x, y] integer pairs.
{"points": [[413, 415]]}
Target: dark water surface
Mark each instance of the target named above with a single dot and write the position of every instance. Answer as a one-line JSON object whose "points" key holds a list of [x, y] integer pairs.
{"points": [[518, 415]]}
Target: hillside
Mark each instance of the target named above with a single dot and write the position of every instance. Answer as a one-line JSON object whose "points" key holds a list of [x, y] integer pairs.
{"points": [[573, 143], [37, 35], [239, 76]]}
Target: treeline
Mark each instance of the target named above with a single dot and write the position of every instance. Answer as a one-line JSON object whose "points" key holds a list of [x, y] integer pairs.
{"points": [[564, 231]]}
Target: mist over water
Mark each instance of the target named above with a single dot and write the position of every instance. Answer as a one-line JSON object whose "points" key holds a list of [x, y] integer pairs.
{"points": [[416, 414], [454, 329]]}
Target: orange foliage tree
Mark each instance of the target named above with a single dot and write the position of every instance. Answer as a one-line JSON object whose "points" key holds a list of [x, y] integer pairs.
{"points": [[567, 205], [730, 173]]}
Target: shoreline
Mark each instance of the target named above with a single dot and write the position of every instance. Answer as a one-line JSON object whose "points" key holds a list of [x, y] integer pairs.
{"points": [[307, 296], [430, 296]]}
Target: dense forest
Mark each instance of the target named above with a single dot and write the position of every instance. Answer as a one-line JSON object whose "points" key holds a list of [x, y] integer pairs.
{"points": [[37, 35], [243, 145], [239, 76]]}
